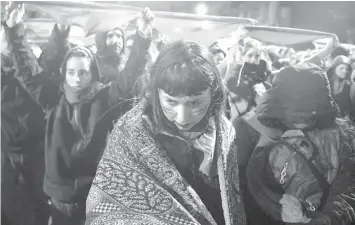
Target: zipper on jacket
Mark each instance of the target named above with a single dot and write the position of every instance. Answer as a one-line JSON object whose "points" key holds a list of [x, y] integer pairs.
{"points": [[188, 145], [77, 125], [76, 119]]}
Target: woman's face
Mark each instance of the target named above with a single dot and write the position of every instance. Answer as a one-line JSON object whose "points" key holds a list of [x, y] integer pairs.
{"points": [[341, 71], [252, 56], [185, 111], [78, 74]]}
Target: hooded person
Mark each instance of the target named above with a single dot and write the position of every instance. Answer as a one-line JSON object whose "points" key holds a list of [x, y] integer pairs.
{"points": [[339, 75], [79, 115], [299, 105], [110, 53]]}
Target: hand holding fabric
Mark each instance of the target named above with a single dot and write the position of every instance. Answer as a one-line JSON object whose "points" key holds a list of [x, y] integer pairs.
{"points": [[62, 27], [15, 15], [146, 23], [335, 41]]}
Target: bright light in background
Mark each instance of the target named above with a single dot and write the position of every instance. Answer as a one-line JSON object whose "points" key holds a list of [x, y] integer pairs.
{"points": [[177, 30], [201, 9], [206, 25]]}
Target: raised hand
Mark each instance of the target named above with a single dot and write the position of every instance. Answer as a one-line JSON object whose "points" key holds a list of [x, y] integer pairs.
{"points": [[15, 15], [62, 27], [335, 41], [146, 22]]}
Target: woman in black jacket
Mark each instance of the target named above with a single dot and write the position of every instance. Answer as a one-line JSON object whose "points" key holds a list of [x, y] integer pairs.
{"points": [[79, 114]]}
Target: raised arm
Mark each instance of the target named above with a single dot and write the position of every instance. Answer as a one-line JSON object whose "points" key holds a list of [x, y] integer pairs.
{"points": [[122, 88], [54, 51], [321, 55], [28, 71]]}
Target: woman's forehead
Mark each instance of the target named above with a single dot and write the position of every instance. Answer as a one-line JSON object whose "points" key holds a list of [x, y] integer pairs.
{"points": [[202, 95], [78, 63]]}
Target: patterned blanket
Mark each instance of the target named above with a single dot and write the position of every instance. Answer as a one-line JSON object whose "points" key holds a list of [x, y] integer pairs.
{"points": [[136, 183]]}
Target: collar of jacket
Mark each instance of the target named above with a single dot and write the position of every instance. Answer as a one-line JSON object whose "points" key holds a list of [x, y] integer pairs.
{"points": [[204, 141]]}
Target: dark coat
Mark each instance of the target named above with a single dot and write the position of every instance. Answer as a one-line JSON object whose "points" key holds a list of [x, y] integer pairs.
{"points": [[22, 120], [75, 134]]}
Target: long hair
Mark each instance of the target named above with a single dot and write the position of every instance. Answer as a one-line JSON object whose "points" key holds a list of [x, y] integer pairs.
{"points": [[336, 62], [183, 68]]}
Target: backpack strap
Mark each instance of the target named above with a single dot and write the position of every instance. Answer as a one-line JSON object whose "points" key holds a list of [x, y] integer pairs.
{"points": [[315, 171], [272, 136], [320, 177]]}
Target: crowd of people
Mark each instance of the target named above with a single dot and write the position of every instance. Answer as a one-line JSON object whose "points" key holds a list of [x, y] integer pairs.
{"points": [[190, 134]]}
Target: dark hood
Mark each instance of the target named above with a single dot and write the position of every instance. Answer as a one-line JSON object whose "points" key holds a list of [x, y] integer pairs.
{"points": [[299, 94], [94, 65], [100, 40]]}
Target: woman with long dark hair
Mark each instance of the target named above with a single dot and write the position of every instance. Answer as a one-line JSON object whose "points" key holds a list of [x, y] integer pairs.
{"points": [[339, 75], [171, 159]]}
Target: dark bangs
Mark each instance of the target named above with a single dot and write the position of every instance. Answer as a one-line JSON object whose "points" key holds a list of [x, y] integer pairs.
{"points": [[184, 69], [185, 79]]}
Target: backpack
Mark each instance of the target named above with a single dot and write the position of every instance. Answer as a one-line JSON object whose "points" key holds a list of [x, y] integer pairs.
{"points": [[285, 163]]}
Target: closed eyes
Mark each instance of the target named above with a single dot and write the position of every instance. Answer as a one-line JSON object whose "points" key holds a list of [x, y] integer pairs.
{"points": [[192, 103]]}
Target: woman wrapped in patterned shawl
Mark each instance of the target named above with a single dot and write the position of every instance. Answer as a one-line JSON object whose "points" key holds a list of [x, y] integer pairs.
{"points": [[172, 158]]}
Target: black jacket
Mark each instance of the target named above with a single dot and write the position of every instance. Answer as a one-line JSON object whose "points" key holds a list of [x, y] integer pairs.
{"points": [[75, 134], [22, 120]]}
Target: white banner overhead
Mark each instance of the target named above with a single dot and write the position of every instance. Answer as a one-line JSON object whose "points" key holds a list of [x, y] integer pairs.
{"points": [[283, 36], [96, 17]]}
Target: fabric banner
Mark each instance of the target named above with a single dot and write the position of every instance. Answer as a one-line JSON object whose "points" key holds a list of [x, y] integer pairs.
{"points": [[285, 36], [96, 17]]}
